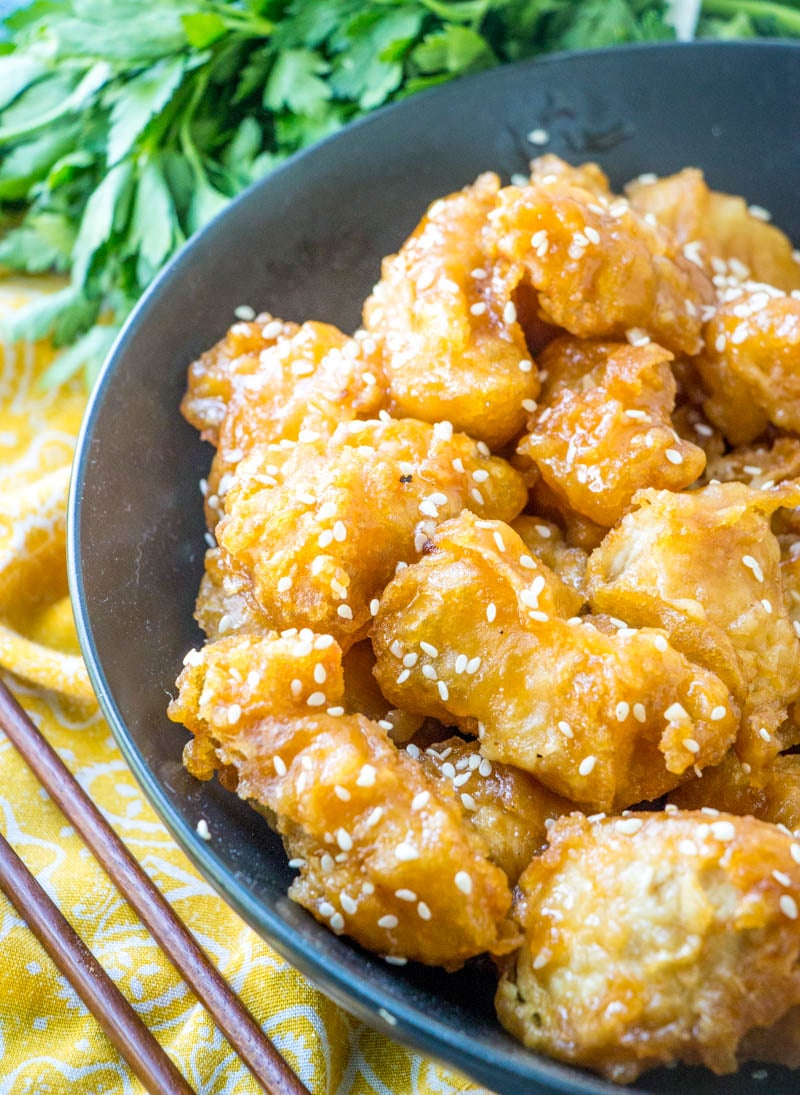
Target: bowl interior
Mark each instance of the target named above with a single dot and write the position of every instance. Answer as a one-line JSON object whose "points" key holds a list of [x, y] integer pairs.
{"points": [[306, 243]]}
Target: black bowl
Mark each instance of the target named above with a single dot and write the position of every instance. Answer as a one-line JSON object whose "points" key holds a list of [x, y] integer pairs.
{"points": [[306, 243]]}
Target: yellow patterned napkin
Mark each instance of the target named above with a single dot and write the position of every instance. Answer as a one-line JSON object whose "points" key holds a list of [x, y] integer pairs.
{"points": [[48, 1041]]}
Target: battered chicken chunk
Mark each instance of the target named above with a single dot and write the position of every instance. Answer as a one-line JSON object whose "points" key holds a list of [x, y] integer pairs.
{"points": [[477, 633], [322, 537], [603, 430], [452, 346], [383, 853], [717, 230], [751, 364], [705, 566], [729, 787], [599, 269], [654, 938], [551, 170], [214, 376], [226, 603], [546, 542], [510, 809], [304, 387], [758, 465]]}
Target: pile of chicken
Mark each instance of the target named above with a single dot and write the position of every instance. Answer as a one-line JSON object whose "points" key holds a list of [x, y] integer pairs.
{"points": [[522, 554]]}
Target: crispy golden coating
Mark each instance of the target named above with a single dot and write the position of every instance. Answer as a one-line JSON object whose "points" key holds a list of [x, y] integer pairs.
{"points": [[603, 429], [214, 376], [383, 852], [729, 787], [751, 364], [226, 603], [551, 170], [322, 537], [704, 565], [304, 387], [654, 938], [757, 465], [717, 230], [477, 633], [600, 270], [452, 347], [545, 541], [510, 809]]}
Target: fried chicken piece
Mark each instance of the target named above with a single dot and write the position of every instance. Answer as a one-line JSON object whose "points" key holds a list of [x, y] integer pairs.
{"points": [[304, 387], [704, 565], [383, 852], [510, 809], [322, 538], [550, 170], [452, 347], [600, 270], [226, 603], [728, 787], [758, 466], [545, 541], [477, 634], [654, 938], [215, 375], [603, 430], [717, 230], [751, 364]]}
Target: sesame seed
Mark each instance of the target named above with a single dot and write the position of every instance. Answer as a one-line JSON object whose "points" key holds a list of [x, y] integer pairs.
{"points": [[297, 863], [759, 1074], [279, 764], [317, 699], [478, 309], [429, 649], [474, 664], [326, 909], [478, 274], [426, 278], [687, 847], [794, 850], [491, 612], [622, 711], [468, 802], [629, 825], [510, 312], [723, 830], [538, 136], [348, 904], [337, 922], [718, 713], [476, 496], [345, 612], [639, 712], [498, 539], [429, 672], [691, 745], [366, 777], [448, 770], [428, 509], [702, 429], [788, 906], [411, 748], [387, 1016], [484, 768], [326, 862], [752, 564], [541, 960], [420, 800], [673, 456], [764, 734], [637, 336], [565, 729], [325, 538], [591, 234], [527, 562], [463, 882], [539, 237], [462, 661], [388, 921], [636, 415], [234, 713], [203, 830], [458, 465], [339, 531], [782, 878], [423, 911], [374, 817], [676, 711], [586, 767], [529, 405], [480, 476], [405, 851], [661, 644], [405, 895], [767, 606], [759, 212], [403, 676], [344, 840], [525, 365], [320, 675], [709, 811]]}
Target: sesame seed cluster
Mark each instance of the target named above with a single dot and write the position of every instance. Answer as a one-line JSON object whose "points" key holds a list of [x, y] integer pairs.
{"points": [[502, 601]]}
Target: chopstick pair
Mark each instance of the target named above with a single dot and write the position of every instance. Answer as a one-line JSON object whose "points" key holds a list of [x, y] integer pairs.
{"points": [[131, 1037]]}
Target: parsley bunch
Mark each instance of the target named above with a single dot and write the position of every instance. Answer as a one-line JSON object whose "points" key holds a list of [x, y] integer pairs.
{"points": [[125, 126]]}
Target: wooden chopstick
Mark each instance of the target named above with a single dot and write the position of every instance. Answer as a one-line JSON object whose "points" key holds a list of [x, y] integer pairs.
{"points": [[69, 952], [231, 1016]]}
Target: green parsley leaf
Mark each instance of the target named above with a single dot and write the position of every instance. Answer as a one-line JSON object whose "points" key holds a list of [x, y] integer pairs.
{"points": [[296, 83], [105, 212], [136, 101]]}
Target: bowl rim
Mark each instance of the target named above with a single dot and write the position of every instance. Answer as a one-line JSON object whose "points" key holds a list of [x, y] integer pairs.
{"points": [[407, 1023]]}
